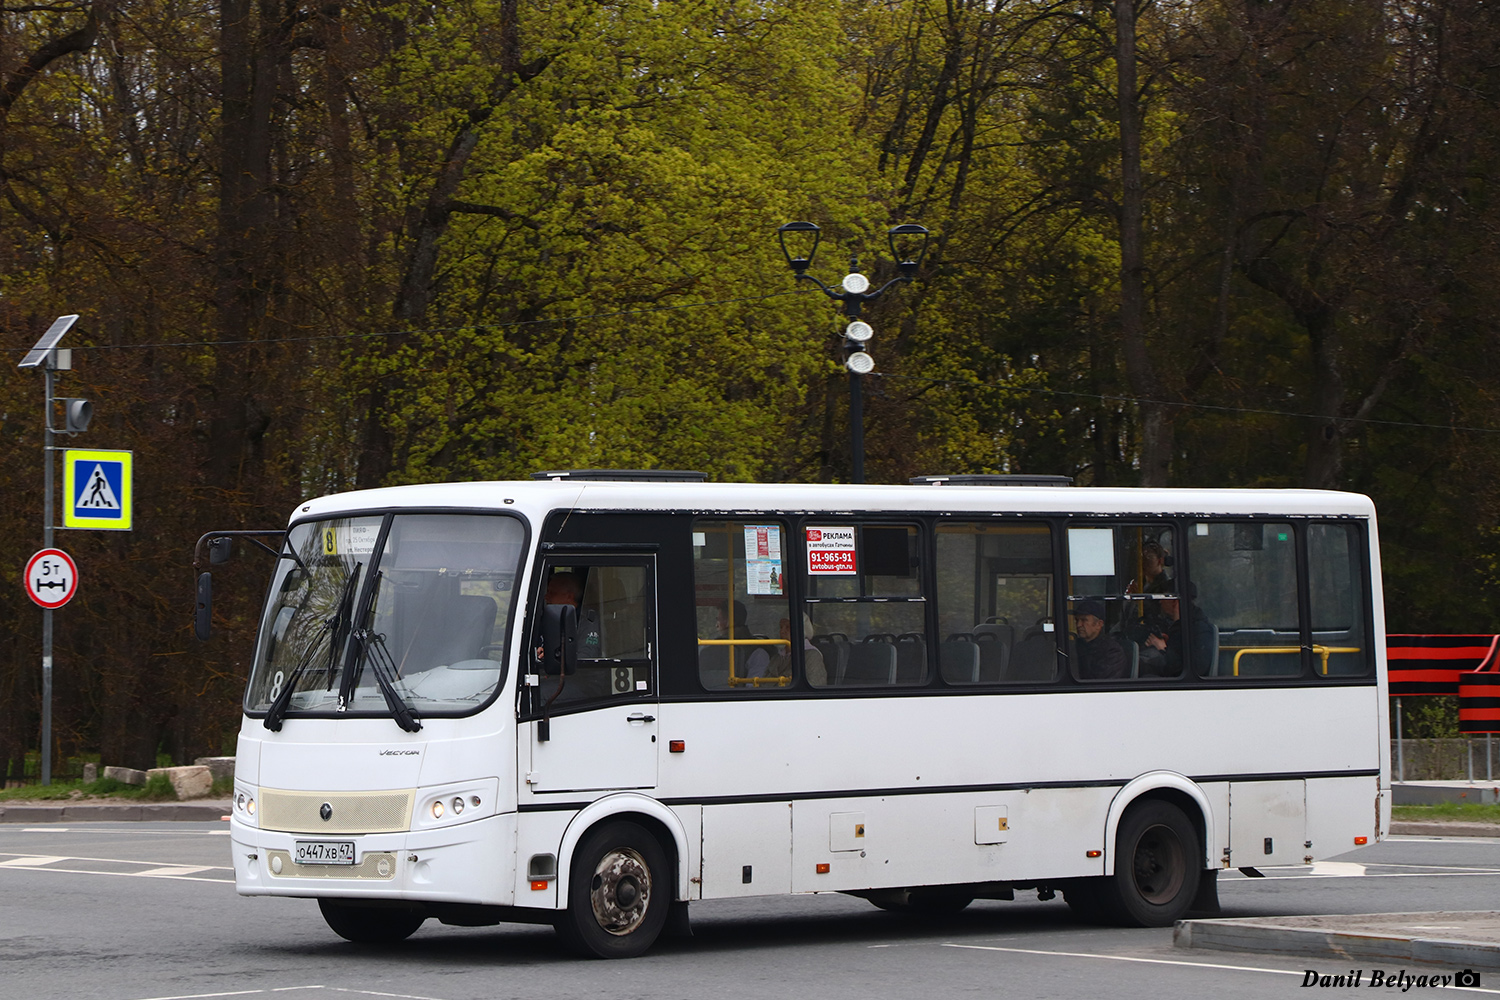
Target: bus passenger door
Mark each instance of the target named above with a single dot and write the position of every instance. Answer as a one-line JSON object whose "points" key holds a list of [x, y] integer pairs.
{"points": [[595, 729]]}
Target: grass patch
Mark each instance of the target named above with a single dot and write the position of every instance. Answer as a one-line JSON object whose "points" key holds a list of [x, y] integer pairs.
{"points": [[156, 789], [1471, 811]]}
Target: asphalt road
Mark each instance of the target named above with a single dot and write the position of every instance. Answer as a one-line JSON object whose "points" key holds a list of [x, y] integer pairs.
{"points": [[147, 911]]}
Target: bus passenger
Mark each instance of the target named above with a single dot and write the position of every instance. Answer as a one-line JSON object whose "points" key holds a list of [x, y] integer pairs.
{"points": [[812, 659], [1100, 656], [747, 662], [1201, 633]]}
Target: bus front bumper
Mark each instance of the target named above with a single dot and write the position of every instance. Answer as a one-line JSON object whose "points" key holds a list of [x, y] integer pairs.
{"points": [[464, 863]]}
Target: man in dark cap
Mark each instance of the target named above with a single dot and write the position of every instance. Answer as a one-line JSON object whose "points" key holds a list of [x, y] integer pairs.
{"points": [[1100, 656], [1187, 624]]}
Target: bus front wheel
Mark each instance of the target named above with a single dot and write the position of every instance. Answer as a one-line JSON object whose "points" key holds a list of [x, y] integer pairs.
{"points": [[618, 895], [370, 924], [1158, 863]]}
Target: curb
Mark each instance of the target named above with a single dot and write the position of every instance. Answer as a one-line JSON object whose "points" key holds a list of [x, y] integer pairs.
{"points": [[96, 812], [1438, 828], [1260, 935]]}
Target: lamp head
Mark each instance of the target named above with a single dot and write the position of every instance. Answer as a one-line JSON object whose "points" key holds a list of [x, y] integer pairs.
{"points": [[804, 244], [909, 247]]}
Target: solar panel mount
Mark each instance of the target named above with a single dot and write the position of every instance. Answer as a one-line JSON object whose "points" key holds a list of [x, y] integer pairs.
{"points": [[38, 354]]}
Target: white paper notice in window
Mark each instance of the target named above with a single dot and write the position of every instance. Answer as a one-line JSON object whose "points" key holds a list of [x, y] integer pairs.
{"points": [[830, 552], [763, 559]]}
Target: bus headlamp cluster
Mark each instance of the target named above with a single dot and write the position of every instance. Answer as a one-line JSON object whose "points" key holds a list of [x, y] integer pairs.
{"points": [[244, 805], [454, 805]]}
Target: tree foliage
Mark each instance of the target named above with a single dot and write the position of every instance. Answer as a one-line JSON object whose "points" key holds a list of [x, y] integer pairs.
{"points": [[1220, 242]]}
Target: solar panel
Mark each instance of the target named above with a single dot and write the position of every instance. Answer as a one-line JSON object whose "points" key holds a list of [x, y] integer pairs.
{"points": [[49, 340]]}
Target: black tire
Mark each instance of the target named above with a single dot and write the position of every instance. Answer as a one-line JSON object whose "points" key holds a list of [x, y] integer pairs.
{"points": [[370, 924], [618, 895], [1083, 896], [1158, 862], [924, 902], [937, 902]]}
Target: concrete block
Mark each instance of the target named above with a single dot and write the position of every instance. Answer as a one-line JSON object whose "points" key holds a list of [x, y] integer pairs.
{"points": [[191, 782], [90, 772], [222, 767], [126, 775]]}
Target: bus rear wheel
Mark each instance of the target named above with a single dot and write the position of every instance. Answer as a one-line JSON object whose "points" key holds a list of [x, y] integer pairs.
{"points": [[1158, 863], [370, 924], [618, 895]]}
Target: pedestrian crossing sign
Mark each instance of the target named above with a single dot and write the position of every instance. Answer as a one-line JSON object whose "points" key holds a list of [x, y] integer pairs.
{"points": [[96, 489]]}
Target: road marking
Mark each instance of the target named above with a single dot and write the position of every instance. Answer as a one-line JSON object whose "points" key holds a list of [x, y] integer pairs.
{"points": [[150, 869], [1160, 961], [45, 829], [1338, 869], [290, 989]]}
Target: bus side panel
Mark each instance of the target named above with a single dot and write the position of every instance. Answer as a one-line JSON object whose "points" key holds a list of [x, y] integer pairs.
{"points": [[911, 840], [747, 849], [1340, 809], [539, 833]]}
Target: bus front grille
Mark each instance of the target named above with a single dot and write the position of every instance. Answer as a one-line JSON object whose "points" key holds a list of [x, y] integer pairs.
{"points": [[347, 812]]}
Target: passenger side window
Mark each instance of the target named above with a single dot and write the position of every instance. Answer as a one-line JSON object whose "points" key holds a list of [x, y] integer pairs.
{"points": [[1240, 615], [865, 605], [616, 622], [745, 633], [996, 619], [1335, 569], [1121, 581]]}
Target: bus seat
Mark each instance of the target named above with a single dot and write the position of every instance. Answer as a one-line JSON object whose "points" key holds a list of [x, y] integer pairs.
{"points": [[994, 656], [713, 667], [958, 659], [1133, 650], [1034, 659], [835, 649], [911, 658], [1003, 630], [871, 662], [455, 629]]}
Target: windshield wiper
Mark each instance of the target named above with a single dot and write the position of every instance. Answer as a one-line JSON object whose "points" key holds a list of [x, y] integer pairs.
{"points": [[336, 627], [277, 712], [384, 669]]}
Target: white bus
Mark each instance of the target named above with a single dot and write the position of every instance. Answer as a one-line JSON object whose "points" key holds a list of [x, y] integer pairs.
{"points": [[591, 699]]}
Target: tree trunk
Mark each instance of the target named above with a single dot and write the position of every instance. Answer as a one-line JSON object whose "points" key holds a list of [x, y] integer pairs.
{"points": [[1156, 423]]}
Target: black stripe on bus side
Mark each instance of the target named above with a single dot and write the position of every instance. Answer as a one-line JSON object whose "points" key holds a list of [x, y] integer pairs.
{"points": [[717, 800]]}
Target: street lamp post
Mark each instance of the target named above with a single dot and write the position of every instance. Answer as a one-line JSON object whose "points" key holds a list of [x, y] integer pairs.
{"points": [[908, 246]]}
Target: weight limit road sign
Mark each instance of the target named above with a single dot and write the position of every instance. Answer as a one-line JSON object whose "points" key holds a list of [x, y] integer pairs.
{"points": [[97, 489], [51, 578]]}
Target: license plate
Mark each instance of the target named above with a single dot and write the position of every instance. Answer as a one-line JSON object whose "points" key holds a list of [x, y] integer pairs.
{"points": [[324, 852]]}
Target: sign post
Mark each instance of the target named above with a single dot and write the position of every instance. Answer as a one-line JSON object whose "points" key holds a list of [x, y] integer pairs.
{"points": [[45, 355]]}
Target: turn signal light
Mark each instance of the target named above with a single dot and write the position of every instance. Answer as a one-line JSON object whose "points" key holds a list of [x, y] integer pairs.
{"points": [[676, 746], [1093, 854], [822, 868], [538, 884], [1361, 841]]}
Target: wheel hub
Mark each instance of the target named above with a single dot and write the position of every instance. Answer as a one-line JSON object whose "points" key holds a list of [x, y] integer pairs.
{"points": [[1159, 864], [621, 891]]}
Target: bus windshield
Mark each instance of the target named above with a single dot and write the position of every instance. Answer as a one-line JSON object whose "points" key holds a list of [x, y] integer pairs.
{"points": [[376, 613]]}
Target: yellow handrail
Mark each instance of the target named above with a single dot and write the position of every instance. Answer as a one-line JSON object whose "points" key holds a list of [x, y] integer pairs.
{"points": [[737, 681], [1323, 651]]}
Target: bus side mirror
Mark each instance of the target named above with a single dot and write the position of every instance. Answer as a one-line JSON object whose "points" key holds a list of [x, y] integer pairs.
{"points": [[559, 643], [219, 551], [203, 616]]}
